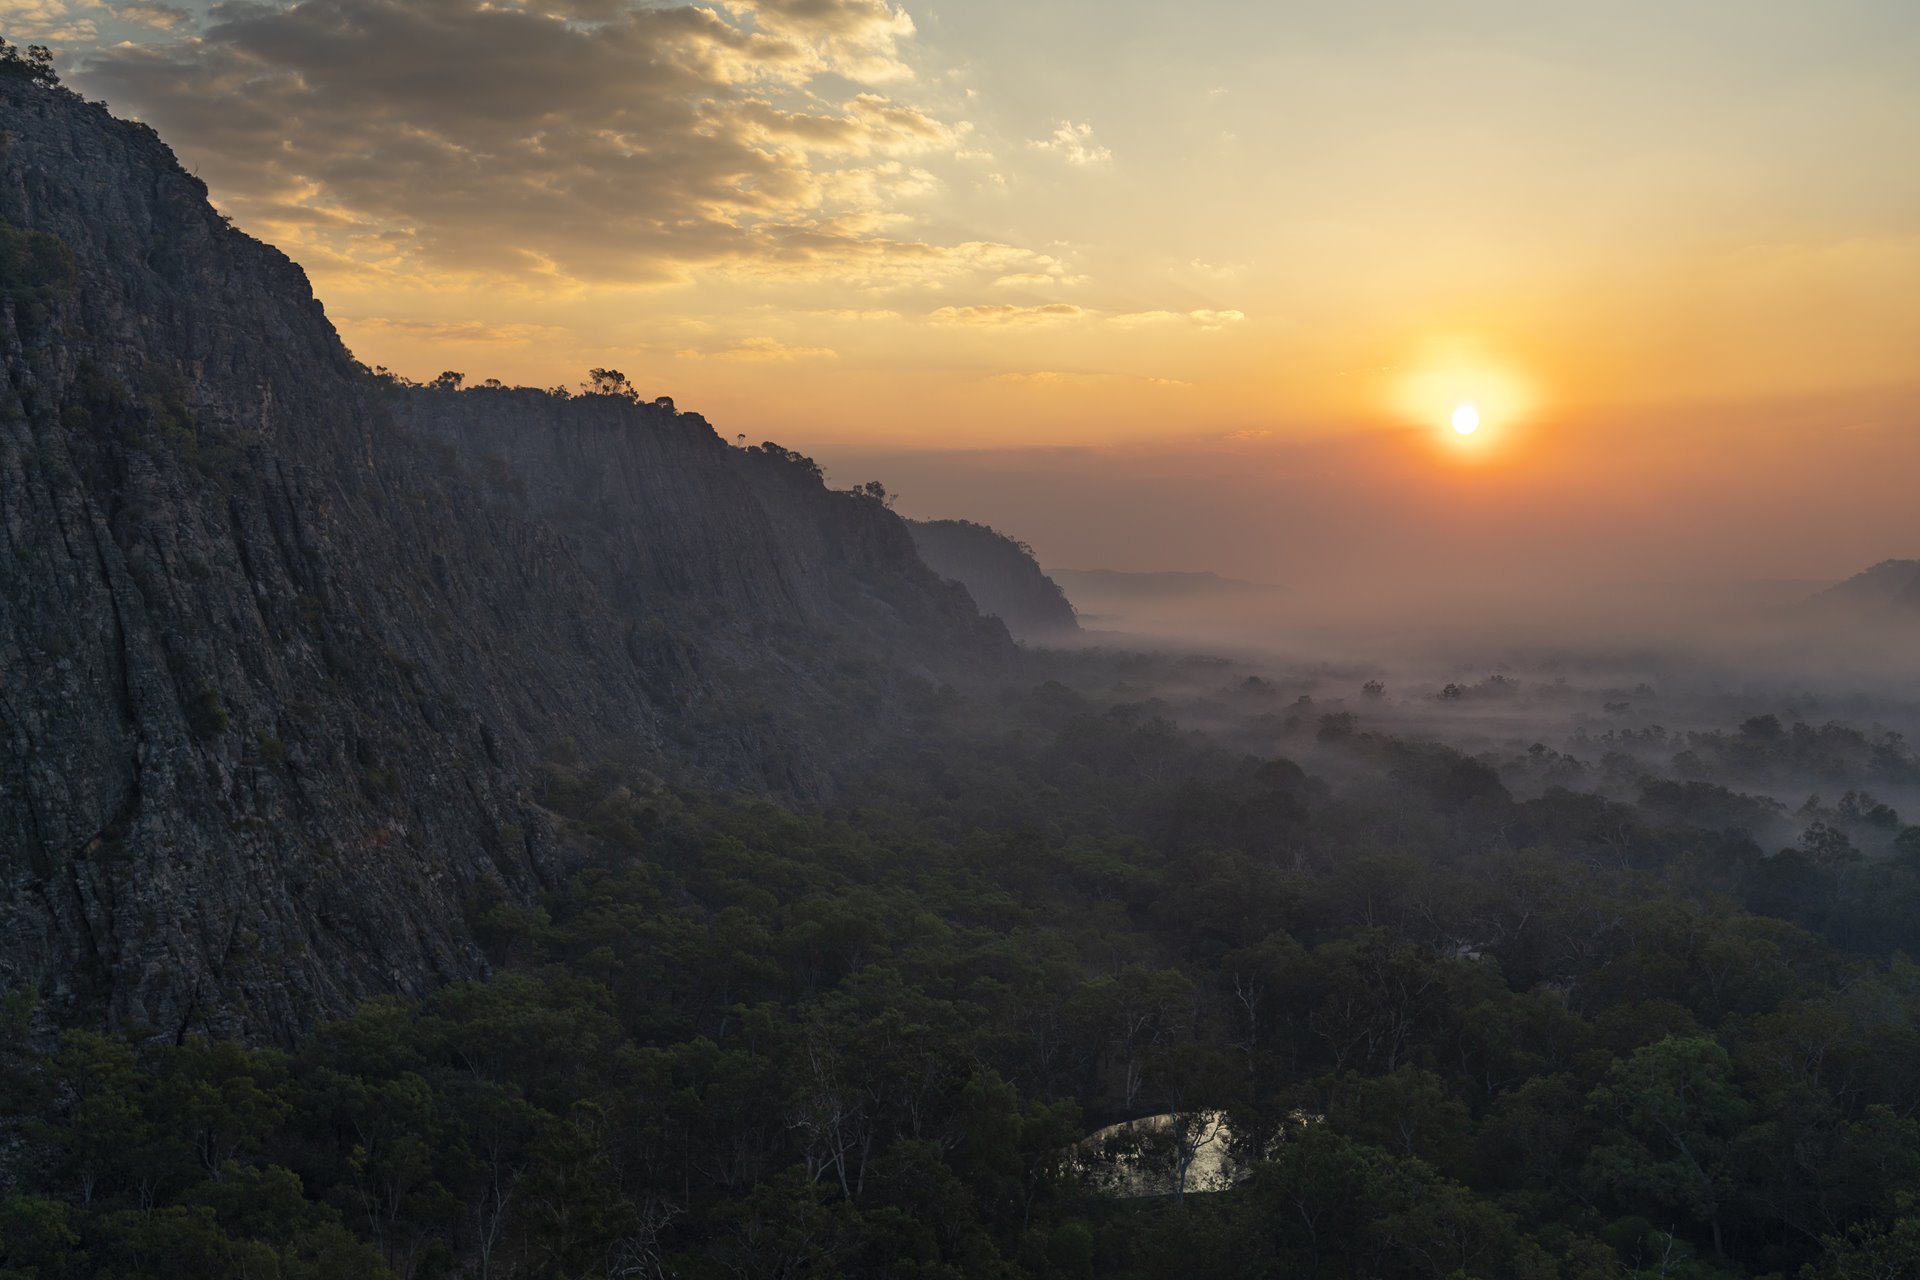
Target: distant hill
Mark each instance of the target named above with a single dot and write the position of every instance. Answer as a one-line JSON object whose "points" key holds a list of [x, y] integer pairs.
{"points": [[1117, 582], [1000, 574], [1890, 587]]}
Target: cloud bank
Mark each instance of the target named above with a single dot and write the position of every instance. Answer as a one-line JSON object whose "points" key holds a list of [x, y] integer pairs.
{"points": [[578, 141]]}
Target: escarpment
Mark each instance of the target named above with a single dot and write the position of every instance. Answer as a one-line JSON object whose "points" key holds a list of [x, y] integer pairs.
{"points": [[1001, 575], [283, 644]]}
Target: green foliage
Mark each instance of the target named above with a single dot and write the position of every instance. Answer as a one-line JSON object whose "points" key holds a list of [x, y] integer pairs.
{"points": [[1456, 1034], [1872, 1252]]}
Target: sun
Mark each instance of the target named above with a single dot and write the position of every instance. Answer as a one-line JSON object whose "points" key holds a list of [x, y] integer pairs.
{"points": [[1458, 393]]}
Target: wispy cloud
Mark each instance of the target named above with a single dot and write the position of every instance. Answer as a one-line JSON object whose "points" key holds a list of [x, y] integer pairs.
{"points": [[456, 332], [1074, 143], [1044, 378], [1052, 274], [1010, 314], [58, 21], [149, 13], [1003, 314], [1209, 320], [761, 351], [860, 315]]}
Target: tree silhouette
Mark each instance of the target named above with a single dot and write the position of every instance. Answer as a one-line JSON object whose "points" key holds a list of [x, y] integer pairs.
{"points": [[608, 382], [36, 64]]}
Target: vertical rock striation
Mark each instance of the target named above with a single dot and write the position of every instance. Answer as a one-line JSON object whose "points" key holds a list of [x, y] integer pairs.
{"points": [[281, 642]]}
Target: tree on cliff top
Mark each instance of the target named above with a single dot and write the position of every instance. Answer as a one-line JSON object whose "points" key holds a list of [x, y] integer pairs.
{"points": [[36, 64], [608, 382]]}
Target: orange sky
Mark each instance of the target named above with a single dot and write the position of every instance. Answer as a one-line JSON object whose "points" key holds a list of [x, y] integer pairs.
{"points": [[1672, 252]]}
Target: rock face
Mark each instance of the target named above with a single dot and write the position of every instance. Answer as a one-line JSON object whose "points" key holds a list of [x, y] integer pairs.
{"points": [[1001, 575], [282, 643]]}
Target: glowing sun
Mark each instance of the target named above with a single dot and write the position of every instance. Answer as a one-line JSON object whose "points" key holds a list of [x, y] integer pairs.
{"points": [[1466, 419]]}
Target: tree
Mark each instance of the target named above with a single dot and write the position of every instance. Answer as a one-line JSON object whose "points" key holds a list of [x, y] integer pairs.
{"points": [[576, 1216], [1672, 1109], [36, 64], [1871, 1252], [448, 381], [212, 1096], [1827, 845], [1409, 1112], [37, 1237], [608, 382]]}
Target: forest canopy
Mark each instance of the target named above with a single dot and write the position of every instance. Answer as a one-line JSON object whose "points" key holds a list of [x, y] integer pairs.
{"points": [[1457, 1034]]}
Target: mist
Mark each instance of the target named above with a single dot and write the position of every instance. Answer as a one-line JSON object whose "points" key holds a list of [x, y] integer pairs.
{"points": [[1570, 520], [1668, 644], [1682, 548]]}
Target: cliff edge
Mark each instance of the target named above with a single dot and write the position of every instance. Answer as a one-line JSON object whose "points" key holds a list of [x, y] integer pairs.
{"points": [[282, 644], [1001, 575]]}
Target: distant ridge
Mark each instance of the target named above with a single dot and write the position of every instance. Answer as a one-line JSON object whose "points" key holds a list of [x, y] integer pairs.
{"points": [[1000, 573], [1892, 586]]}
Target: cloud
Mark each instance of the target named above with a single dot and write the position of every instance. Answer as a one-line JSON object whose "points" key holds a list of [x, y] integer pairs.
{"points": [[859, 315], [596, 141], [161, 17], [1050, 274], [866, 124], [62, 21], [1003, 314], [1051, 378], [1009, 314], [852, 251], [761, 351], [454, 332], [857, 39], [1074, 144], [1208, 320]]}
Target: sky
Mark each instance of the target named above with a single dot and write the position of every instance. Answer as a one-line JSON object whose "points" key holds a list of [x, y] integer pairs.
{"points": [[1150, 285]]}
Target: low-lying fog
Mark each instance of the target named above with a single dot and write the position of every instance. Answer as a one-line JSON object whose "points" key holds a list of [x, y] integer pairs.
{"points": [[1744, 706]]}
